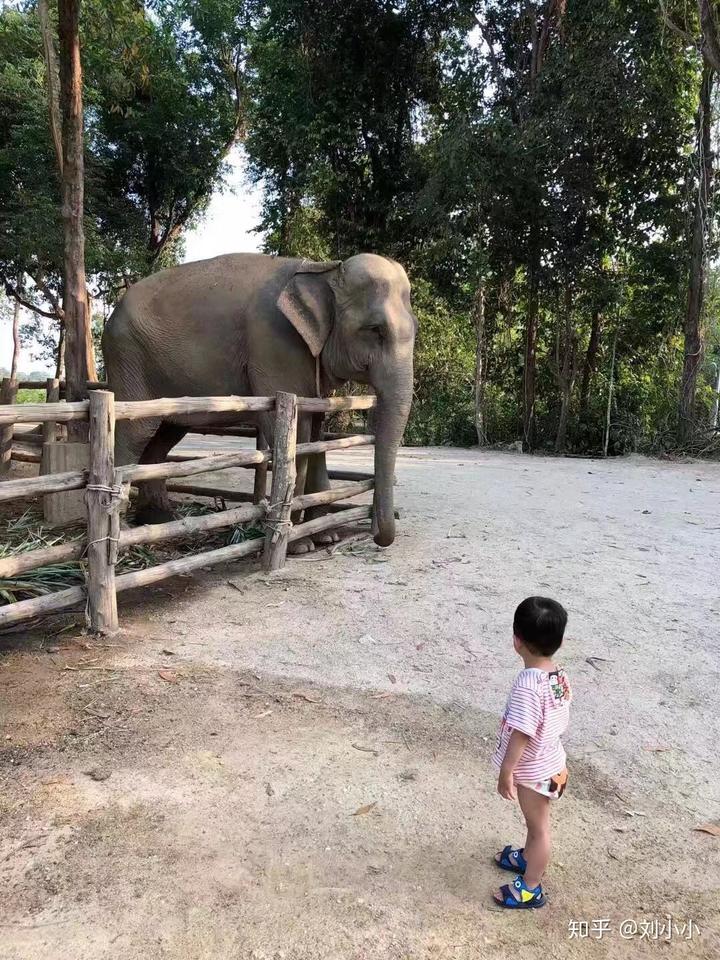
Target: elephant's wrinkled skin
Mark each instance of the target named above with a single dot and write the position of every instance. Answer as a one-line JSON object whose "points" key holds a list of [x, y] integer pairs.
{"points": [[250, 325]]}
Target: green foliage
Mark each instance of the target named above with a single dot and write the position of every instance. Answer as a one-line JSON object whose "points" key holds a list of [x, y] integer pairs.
{"points": [[164, 101], [552, 180], [442, 410], [30, 396]]}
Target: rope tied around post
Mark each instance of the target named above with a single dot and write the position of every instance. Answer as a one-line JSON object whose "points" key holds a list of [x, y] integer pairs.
{"points": [[278, 524]]}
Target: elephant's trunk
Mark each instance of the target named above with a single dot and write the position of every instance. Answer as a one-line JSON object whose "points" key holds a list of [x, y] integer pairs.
{"points": [[391, 416]]}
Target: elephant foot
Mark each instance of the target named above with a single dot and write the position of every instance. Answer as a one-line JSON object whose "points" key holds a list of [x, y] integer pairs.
{"points": [[149, 514], [299, 547], [326, 539]]}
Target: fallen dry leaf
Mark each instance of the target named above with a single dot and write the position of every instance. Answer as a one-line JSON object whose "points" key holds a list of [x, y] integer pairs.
{"points": [[357, 746], [361, 811], [381, 696], [657, 748], [168, 676], [392, 678], [305, 696], [259, 716], [712, 828]]}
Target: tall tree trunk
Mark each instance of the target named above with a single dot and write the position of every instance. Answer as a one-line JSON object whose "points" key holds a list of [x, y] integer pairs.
{"points": [[16, 340], [566, 371], [60, 356], [693, 352], [591, 355], [715, 415], [531, 326], [480, 372], [611, 388], [79, 360]]}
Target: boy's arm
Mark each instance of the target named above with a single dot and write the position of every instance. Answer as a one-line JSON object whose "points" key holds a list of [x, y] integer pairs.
{"points": [[515, 749]]}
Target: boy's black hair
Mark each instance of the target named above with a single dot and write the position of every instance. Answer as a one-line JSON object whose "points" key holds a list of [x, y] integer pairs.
{"points": [[540, 623]]}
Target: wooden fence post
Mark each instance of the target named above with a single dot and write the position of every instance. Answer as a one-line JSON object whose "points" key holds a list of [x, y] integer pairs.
{"points": [[261, 470], [49, 429], [277, 523], [102, 514], [8, 394]]}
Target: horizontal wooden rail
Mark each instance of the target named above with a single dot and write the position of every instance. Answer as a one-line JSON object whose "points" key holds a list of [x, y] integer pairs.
{"points": [[25, 456], [14, 613], [171, 406], [335, 404], [149, 533], [44, 412], [357, 475], [250, 432], [331, 496], [18, 563], [33, 438], [175, 406], [327, 446], [329, 522], [42, 384], [49, 483], [142, 578], [190, 526], [158, 471], [202, 490]]}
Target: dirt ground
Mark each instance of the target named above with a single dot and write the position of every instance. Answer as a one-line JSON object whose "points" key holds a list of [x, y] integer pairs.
{"points": [[296, 767]]}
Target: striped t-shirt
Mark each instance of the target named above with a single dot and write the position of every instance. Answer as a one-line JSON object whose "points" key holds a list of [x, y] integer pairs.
{"points": [[538, 705]]}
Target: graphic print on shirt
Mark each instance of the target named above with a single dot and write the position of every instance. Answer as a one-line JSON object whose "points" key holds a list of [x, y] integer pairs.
{"points": [[559, 685]]}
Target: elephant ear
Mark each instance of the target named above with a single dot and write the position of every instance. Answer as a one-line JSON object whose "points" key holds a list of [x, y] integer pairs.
{"points": [[307, 302]]}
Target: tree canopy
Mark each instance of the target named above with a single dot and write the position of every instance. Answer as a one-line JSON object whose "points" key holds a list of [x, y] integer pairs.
{"points": [[541, 170]]}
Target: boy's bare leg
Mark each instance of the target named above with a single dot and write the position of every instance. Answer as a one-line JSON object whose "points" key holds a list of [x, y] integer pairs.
{"points": [[536, 810]]}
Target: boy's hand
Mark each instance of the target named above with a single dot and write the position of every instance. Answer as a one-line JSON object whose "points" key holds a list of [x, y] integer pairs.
{"points": [[506, 785]]}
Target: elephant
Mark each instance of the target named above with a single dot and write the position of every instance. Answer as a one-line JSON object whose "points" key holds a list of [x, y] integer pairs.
{"points": [[251, 325]]}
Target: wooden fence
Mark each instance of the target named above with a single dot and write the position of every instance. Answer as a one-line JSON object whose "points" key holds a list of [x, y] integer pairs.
{"points": [[107, 486]]}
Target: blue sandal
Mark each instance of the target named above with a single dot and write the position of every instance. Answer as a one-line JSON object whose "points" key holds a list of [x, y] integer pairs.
{"points": [[529, 899], [512, 860]]}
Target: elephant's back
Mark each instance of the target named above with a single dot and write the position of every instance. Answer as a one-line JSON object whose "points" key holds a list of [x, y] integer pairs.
{"points": [[207, 285], [183, 330]]}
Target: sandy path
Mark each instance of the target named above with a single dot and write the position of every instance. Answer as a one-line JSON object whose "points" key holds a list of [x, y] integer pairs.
{"points": [[227, 821]]}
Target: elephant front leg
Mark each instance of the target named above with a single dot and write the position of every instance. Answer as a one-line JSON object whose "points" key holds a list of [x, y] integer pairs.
{"points": [[304, 544], [153, 504], [317, 482]]}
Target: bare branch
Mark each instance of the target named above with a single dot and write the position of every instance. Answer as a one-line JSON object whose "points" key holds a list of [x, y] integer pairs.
{"points": [[11, 291]]}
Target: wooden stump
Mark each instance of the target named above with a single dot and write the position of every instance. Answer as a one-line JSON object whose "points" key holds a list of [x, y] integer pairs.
{"points": [[103, 514], [68, 506], [277, 524], [49, 428], [8, 395]]}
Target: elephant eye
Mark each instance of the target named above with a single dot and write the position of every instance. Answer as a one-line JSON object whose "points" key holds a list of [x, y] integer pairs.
{"points": [[377, 330]]}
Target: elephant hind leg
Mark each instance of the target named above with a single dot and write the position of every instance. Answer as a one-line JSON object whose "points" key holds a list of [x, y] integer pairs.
{"points": [[153, 504]]}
